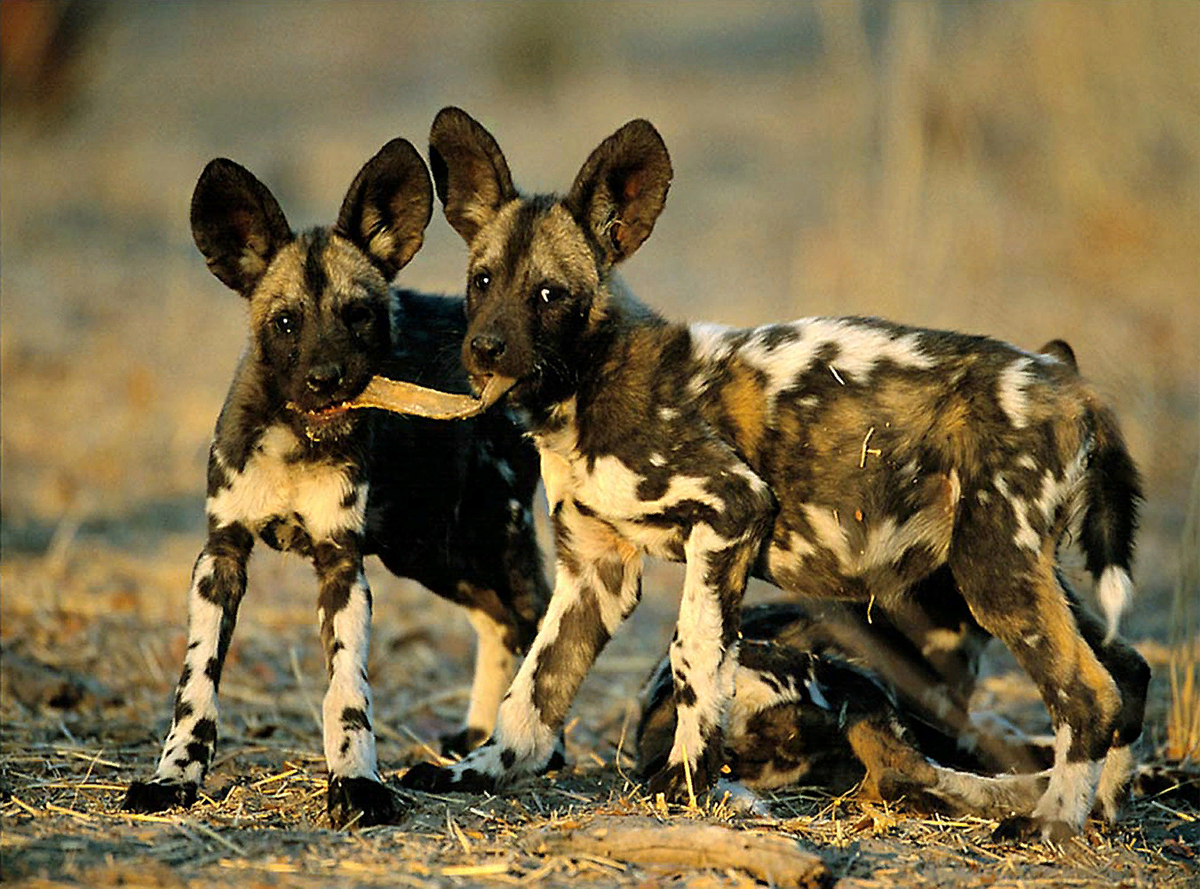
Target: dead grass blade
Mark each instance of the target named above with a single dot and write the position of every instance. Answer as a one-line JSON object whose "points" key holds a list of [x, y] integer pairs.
{"points": [[1183, 715]]}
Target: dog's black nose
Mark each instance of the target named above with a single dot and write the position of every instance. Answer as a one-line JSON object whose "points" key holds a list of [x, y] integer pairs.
{"points": [[486, 348], [324, 378]]}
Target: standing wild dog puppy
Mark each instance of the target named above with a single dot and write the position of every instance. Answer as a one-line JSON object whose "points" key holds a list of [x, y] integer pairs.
{"points": [[836, 457], [838, 694], [447, 504]]}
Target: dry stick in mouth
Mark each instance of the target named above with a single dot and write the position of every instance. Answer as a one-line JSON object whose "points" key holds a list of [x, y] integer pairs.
{"points": [[409, 398]]}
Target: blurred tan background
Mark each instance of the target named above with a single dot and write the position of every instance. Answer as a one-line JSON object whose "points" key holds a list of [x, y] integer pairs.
{"points": [[1025, 170]]}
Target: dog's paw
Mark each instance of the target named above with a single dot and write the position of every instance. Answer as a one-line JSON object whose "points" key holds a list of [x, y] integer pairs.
{"points": [[672, 783], [157, 796], [360, 802], [557, 760], [462, 742], [427, 777], [1026, 828]]}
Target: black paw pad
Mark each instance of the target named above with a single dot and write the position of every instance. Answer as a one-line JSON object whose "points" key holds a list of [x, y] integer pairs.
{"points": [[1026, 828], [360, 802], [1016, 829], [157, 796]]}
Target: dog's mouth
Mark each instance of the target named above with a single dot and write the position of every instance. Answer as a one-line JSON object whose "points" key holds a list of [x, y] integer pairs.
{"points": [[329, 422], [413, 400], [491, 387]]}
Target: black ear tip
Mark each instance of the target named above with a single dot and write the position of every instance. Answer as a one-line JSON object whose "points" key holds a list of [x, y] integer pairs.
{"points": [[448, 116], [452, 124], [400, 148], [223, 167]]}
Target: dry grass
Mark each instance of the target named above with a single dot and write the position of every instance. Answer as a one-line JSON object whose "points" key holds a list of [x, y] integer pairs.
{"points": [[85, 702], [1028, 171], [1183, 717]]}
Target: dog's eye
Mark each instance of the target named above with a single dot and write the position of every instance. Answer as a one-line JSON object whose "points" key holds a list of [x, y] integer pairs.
{"points": [[285, 323], [358, 315], [481, 282], [548, 293]]}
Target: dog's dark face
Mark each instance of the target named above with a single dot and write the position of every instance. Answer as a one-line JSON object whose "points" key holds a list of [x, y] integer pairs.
{"points": [[320, 302], [537, 289]]}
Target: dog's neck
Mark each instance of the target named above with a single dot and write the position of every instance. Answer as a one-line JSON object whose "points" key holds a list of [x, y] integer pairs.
{"points": [[626, 344]]}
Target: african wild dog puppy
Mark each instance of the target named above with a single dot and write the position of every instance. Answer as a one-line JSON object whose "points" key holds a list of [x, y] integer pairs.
{"points": [[843, 458], [447, 504], [835, 694], [806, 710], [832, 696]]}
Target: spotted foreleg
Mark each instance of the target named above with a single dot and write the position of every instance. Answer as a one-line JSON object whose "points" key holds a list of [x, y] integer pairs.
{"points": [[704, 651], [356, 794], [597, 585], [218, 584]]}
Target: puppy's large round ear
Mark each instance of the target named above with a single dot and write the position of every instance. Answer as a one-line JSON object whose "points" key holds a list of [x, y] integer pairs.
{"points": [[469, 171], [621, 189], [237, 224], [388, 206]]}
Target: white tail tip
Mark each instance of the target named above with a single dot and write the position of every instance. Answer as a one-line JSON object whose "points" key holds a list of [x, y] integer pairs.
{"points": [[1115, 592]]}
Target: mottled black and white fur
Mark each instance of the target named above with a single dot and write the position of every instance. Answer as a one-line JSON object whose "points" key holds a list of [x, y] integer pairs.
{"points": [[448, 504], [844, 458], [843, 695], [837, 695]]}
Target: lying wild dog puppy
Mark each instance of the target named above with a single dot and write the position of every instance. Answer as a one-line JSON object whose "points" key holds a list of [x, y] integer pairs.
{"points": [[843, 458], [447, 504], [840, 696]]}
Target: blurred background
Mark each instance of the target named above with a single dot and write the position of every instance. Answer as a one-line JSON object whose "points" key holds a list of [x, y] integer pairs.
{"points": [[1024, 170]]}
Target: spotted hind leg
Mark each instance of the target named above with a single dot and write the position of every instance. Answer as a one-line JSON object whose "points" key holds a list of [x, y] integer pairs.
{"points": [[1017, 597], [495, 657], [1132, 676]]}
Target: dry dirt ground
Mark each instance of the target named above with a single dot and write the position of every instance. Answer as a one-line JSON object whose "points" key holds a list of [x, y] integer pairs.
{"points": [[1024, 170]]}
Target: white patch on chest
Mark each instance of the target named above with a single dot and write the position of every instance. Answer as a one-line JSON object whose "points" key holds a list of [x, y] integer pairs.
{"points": [[274, 484], [609, 488]]}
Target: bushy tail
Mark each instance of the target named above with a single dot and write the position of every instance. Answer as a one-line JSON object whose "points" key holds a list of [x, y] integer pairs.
{"points": [[1112, 494]]}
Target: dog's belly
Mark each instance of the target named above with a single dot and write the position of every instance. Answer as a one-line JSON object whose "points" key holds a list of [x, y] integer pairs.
{"points": [[847, 552]]}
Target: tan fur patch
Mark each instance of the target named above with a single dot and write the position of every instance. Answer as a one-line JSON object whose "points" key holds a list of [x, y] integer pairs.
{"points": [[745, 403], [488, 246], [882, 752], [559, 251], [345, 267], [951, 428]]}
